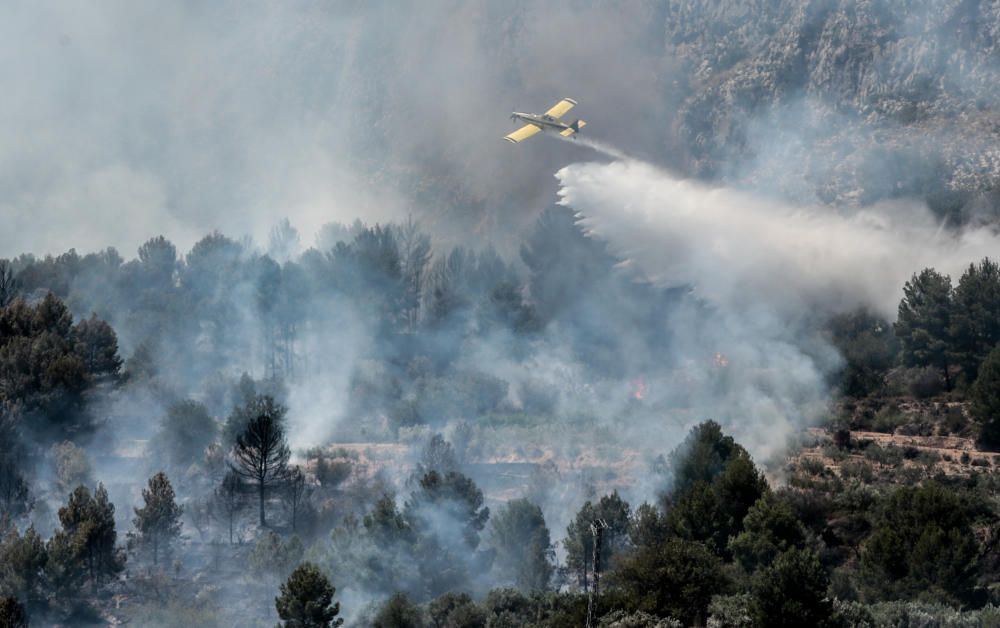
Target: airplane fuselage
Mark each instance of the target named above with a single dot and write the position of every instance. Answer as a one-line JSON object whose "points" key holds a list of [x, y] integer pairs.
{"points": [[547, 123]]}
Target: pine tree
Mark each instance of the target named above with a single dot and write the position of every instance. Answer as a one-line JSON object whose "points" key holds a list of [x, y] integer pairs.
{"points": [[975, 320], [769, 529], [306, 600], [922, 544], [97, 346], [297, 494], [985, 398], [676, 579], [398, 612], [579, 541], [158, 522], [792, 592], [185, 432], [261, 456], [15, 494], [88, 536], [524, 550], [253, 405], [229, 501], [924, 322], [446, 514], [22, 560]]}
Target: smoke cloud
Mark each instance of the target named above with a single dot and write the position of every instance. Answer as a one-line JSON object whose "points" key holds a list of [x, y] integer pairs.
{"points": [[749, 252], [137, 119]]}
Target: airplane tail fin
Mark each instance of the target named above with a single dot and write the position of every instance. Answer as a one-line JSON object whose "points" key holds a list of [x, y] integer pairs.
{"points": [[573, 128]]}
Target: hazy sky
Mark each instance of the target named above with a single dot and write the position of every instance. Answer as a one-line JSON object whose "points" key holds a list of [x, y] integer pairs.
{"points": [[123, 120]]}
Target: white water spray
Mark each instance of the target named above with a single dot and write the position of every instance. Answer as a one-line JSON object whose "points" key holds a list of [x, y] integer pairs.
{"points": [[593, 144], [745, 251]]}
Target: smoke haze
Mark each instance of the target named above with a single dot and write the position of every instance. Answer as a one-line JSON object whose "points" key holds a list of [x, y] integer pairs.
{"points": [[125, 118], [562, 311]]}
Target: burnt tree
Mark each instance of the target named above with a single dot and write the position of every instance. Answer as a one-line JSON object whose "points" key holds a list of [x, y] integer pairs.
{"points": [[261, 456], [229, 501], [296, 494]]}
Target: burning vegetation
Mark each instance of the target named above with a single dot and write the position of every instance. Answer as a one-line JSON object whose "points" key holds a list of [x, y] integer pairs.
{"points": [[447, 491]]}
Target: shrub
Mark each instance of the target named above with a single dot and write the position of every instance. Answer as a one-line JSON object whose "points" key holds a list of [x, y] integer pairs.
{"points": [[930, 615], [859, 470], [730, 611], [926, 383], [929, 458], [622, 619], [835, 454], [812, 466], [889, 456], [888, 419], [955, 421]]}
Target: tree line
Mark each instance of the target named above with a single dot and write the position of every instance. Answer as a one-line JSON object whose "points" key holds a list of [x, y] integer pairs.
{"points": [[948, 336]]}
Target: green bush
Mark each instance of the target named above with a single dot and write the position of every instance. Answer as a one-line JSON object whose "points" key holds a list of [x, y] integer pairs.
{"points": [[792, 592], [930, 615], [622, 619], [955, 421], [730, 611], [857, 470], [812, 466], [888, 419], [923, 545], [673, 579], [888, 456], [769, 529]]}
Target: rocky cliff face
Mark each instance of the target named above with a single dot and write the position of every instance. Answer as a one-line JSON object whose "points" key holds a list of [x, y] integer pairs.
{"points": [[852, 101], [841, 102]]}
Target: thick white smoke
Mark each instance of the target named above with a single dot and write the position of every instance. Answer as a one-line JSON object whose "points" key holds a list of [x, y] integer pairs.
{"points": [[740, 251], [770, 271]]}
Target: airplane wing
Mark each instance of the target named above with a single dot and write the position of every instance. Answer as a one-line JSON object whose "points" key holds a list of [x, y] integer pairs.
{"points": [[576, 126], [561, 108], [523, 133]]}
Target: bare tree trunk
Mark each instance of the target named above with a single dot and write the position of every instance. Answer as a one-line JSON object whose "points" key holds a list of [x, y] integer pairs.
{"points": [[260, 487]]}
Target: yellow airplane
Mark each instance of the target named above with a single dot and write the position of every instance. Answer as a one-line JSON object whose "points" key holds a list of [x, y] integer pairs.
{"points": [[548, 121]]}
